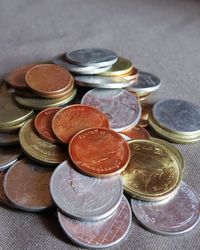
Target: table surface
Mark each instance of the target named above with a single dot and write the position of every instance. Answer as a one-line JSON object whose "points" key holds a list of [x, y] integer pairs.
{"points": [[162, 37]]}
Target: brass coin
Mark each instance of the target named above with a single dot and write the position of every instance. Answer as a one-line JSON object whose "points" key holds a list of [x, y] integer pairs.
{"points": [[8, 139], [153, 172], [14, 128], [146, 109], [10, 113], [38, 149]]}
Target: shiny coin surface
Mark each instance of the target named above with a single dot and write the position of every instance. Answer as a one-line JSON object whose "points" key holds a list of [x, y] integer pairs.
{"points": [[178, 116], [26, 185], [8, 139], [3, 198], [99, 152], [8, 156], [121, 107], [43, 124], [70, 120], [102, 233], [83, 70], [94, 56], [177, 215], [76, 194], [16, 79], [153, 172], [102, 82], [146, 82], [137, 133], [38, 149]]}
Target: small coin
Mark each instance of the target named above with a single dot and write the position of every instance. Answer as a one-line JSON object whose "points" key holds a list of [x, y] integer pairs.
{"points": [[153, 172], [70, 120], [146, 109], [3, 198], [43, 124], [137, 133], [99, 152], [76, 194], [8, 139], [38, 149], [102, 233], [95, 56], [16, 79], [121, 107], [26, 185], [177, 215], [8, 156]]}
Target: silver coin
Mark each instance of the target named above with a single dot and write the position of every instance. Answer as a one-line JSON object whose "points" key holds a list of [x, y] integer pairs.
{"points": [[9, 139], [101, 233], [82, 197], [122, 109], [95, 56], [83, 70], [176, 215], [8, 156], [177, 115], [146, 82]]}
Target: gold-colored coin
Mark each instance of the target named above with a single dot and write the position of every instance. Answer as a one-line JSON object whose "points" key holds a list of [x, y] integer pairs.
{"points": [[14, 128], [10, 113], [121, 67], [38, 149], [153, 172], [42, 103]]}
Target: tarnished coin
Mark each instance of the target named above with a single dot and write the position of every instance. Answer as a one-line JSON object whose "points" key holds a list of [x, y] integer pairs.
{"points": [[121, 107], [8, 156], [137, 133], [99, 152], [16, 78], [26, 185], [83, 70], [43, 124], [3, 198], [153, 172], [8, 139], [76, 194], [38, 149], [70, 120], [95, 56], [177, 215], [102, 233]]}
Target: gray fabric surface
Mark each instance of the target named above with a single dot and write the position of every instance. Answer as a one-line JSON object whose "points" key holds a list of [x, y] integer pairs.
{"points": [[159, 36]]}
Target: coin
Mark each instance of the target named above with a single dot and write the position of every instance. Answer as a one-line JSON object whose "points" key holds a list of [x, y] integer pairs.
{"points": [[3, 199], [137, 133], [43, 124], [99, 152], [8, 139], [13, 129], [121, 107], [10, 113], [38, 149], [153, 172], [95, 56], [83, 70], [8, 156], [146, 109], [102, 233], [48, 79], [70, 120], [177, 215], [26, 185], [76, 194], [16, 79]]}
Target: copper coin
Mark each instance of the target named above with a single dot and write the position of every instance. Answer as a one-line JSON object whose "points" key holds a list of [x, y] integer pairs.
{"points": [[16, 78], [43, 123], [99, 152], [48, 79], [146, 108], [3, 198], [137, 133], [143, 123], [26, 185], [8, 156], [8, 139], [72, 119]]}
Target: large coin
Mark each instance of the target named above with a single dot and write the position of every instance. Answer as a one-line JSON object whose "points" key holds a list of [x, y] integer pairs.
{"points": [[3, 198], [96, 57], [121, 107], [8, 156], [102, 233], [82, 197], [176, 215]]}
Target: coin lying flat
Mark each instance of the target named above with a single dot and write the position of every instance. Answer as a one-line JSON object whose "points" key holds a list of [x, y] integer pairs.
{"points": [[99, 152], [38, 149], [26, 185], [8, 139], [76, 194], [3, 198], [153, 172], [137, 133], [96, 57], [102, 233], [176, 215], [8, 156], [121, 107]]}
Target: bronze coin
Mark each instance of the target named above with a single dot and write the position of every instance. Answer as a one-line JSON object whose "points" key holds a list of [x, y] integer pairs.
{"points": [[8, 156], [26, 185], [146, 108], [137, 133], [8, 139], [3, 198]]}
